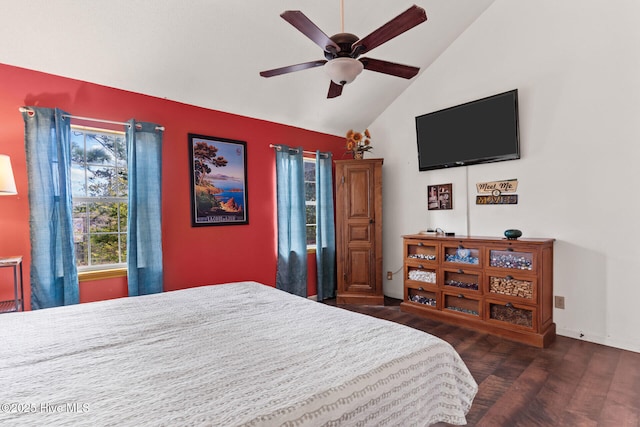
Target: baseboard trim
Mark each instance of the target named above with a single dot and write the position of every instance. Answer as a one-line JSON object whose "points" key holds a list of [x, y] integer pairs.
{"points": [[599, 339]]}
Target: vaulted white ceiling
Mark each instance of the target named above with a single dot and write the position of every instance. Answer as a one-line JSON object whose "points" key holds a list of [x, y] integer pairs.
{"points": [[209, 52]]}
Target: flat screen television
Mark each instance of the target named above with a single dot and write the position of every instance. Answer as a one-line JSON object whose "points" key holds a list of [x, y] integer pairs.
{"points": [[480, 131]]}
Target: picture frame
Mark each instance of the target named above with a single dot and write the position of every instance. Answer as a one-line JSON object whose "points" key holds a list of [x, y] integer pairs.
{"points": [[218, 190], [440, 197]]}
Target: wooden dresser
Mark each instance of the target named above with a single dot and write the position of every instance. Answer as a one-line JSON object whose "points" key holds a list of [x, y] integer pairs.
{"points": [[503, 287]]}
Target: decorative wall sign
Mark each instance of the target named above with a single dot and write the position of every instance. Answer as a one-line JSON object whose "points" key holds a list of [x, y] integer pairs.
{"points": [[440, 197], [505, 186], [218, 181], [496, 189], [504, 199]]}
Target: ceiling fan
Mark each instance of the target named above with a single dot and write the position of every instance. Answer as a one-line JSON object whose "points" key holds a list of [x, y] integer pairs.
{"points": [[343, 49]]}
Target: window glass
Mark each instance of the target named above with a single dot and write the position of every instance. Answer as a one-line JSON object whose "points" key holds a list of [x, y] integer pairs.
{"points": [[99, 191], [310, 200]]}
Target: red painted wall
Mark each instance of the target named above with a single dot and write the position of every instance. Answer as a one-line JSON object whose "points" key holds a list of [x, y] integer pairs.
{"points": [[193, 256]]}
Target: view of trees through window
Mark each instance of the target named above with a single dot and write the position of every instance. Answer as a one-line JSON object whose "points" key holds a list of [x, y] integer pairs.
{"points": [[310, 199], [99, 190]]}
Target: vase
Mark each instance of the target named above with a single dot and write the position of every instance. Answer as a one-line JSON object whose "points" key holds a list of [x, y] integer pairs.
{"points": [[359, 155], [512, 234]]}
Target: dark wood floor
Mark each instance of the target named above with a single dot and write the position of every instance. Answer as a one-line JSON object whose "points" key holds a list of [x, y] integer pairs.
{"points": [[570, 383]]}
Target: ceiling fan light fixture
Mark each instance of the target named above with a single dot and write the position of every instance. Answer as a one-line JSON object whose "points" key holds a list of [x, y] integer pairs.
{"points": [[343, 70]]}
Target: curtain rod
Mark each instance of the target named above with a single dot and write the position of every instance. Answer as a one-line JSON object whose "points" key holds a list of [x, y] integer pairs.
{"points": [[279, 148], [90, 119]]}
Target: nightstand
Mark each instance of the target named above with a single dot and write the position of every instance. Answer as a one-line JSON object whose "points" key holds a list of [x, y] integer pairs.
{"points": [[16, 304]]}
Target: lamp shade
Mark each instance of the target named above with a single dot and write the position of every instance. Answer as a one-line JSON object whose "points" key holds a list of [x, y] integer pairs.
{"points": [[343, 70], [7, 183]]}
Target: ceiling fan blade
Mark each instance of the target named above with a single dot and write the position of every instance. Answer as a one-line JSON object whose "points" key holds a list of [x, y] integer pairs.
{"points": [[335, 90], [386, 67], [311, 30], [292, 68], [405, 21]]}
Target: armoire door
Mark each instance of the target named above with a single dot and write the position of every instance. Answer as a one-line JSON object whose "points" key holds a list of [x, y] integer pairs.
{"points": [[359, 231]]}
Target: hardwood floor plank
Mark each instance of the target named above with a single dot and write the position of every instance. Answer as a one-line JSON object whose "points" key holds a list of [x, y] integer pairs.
{"points": [[563, 378], [489, 391], [622, 404], [589, 396], [513, 406], [580, 420], [617, 415]]}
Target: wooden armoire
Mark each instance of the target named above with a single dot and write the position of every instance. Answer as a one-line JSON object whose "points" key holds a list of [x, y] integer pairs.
{"points": [[359, 231]]}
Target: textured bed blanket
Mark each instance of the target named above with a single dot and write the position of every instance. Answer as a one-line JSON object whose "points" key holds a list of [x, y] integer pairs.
{"points": [[224, 355]]}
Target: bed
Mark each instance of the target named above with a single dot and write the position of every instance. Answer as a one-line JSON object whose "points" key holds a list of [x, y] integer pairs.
{"points": [[237, 354]]}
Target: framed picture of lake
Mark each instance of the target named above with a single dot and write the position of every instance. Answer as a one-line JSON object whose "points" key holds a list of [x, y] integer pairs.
{"points": [[218, 181]]}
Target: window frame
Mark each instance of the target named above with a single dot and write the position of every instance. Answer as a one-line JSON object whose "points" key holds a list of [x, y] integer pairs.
{"points": [[102, 271], [311, 160]]}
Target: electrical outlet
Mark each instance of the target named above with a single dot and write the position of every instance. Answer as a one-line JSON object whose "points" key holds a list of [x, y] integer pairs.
{"points": [[389, 275], [559, 302]]}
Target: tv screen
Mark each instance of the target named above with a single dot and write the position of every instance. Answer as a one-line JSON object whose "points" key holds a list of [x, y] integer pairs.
{"points": [[481, 131]]}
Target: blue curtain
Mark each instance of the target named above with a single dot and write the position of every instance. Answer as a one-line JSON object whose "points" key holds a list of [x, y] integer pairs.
{"points": [[53, 272], [325, 228], [144, 222], [291, 273]]}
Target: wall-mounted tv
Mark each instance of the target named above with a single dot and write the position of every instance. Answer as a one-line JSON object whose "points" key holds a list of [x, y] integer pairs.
{"points": [[480, 131]]}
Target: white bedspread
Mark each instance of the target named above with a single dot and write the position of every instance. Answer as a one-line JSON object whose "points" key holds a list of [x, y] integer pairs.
{"points": [[224, 355]]}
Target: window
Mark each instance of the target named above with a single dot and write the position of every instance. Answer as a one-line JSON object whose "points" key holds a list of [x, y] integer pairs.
{"points": [[99, 191], [310, 200]]}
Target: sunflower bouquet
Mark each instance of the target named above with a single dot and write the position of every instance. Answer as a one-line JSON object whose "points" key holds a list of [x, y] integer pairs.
{"points": [[358, 142]]}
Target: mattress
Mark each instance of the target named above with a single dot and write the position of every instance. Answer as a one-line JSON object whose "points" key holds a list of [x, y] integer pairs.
{"points": [[237, 354]]}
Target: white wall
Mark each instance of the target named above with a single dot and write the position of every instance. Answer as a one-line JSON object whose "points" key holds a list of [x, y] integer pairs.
{"points": [[576, 65]]}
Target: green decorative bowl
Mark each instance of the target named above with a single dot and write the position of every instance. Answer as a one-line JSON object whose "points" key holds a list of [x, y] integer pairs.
{"points": [[512, 234]]}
